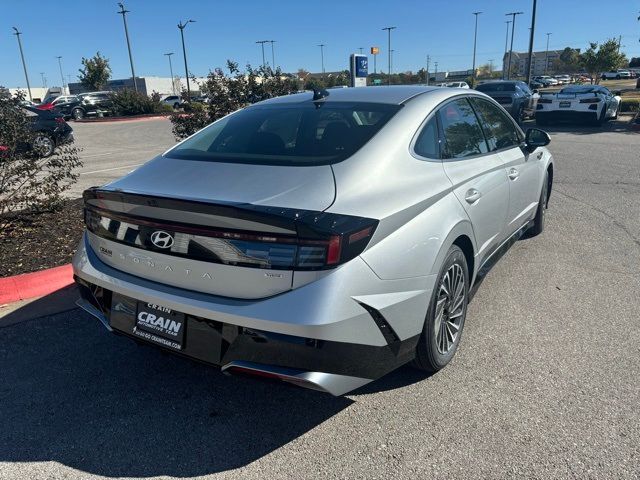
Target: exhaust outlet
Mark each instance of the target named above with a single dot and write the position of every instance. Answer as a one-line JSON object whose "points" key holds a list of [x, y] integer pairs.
{"points": [[331, 383]]}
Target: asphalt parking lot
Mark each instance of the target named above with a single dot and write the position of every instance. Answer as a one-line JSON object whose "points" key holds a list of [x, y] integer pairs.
{"points": [[544, 385]]}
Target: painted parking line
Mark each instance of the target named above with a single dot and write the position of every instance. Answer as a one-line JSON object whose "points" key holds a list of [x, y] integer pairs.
{"points": [[111, 169]]}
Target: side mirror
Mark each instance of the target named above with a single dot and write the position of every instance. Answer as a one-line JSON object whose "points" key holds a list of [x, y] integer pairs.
{"points": [[535, 138]]}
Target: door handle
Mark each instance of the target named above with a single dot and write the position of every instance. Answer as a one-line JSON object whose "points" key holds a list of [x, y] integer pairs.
{"points": [[513, 174], [472, 195]]}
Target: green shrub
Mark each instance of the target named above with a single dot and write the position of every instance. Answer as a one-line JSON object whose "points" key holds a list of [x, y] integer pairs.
{"points": [[129, 102], [630, 105]]}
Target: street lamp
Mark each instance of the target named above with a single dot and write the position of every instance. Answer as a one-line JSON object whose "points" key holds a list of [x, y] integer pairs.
{"points": [[173, 83], [322, 45], [44, 80], [182, 26], [273, 55], [24, 65], [513, 28], [531, 34], [475, 37], [262, 42], [124, 12], [61, 74], [546, 56], [506, 46], [388, 29]]}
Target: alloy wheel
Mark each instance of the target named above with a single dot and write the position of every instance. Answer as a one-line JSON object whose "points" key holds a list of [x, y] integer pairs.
{"points": [[43, 145], [450, 306]]}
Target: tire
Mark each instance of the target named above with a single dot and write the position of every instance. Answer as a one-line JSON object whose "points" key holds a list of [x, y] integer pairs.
{"points": [[617, 77], [176, 106], [43, 144], [77, 114], [438, 345], [520, 119], [603, 117], [543, 204]]}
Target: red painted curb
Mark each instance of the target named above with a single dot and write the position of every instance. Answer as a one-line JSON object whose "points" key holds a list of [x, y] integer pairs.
{"points": [[36, 284]]}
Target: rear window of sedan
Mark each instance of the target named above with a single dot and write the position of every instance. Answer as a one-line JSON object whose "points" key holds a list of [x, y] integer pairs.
{"points": [[306, 133], [497, 87]]}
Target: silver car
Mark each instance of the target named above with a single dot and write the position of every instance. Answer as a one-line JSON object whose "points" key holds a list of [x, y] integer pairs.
{"points": [[322, 239]]}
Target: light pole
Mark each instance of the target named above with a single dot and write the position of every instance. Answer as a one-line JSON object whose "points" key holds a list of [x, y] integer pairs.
{"points": [[546, 55], [322, 45], [388, 29], [361, 49], [24, 65], [392, 51], [475, 37], [273, 54], [513, 28], [506, 46], [531, 34], [44, 80], [124, 12], [182, 26], [428, 65], [435, 75], [61, 74], [173, 83], [491, 67], [262, 42]]}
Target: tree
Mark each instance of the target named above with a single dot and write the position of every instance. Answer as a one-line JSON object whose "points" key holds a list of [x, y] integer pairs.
{"points": [[29, 182], [95, 72], [568, 61], [607, 56], [634, 62]]}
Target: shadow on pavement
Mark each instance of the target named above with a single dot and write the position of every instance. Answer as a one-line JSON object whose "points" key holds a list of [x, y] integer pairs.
{"points": [[74, 394], [621, 125]]}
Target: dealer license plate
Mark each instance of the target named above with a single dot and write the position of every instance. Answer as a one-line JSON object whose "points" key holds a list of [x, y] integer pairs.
{"points": [[565, 104], [160, 325]]}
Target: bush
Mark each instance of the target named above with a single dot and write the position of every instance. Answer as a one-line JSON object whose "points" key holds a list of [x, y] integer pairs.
{"points": [[29, 183], [129, 102], [228, 93], [630, 105]]}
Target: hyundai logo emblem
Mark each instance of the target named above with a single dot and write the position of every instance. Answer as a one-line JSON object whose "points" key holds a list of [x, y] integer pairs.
{"points": [[162, 239]]}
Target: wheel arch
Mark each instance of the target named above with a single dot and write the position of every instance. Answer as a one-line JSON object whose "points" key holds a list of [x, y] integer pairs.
{"points": [[462, 236]]}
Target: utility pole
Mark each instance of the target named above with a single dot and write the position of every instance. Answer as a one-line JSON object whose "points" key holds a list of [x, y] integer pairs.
{"points": [[435, 75], [428, 63], [262, 42], [491, 67], [620, 41], [182, 26], [531, 34], [62, 75], [124, 12], [360, 48], [24, 65], [273, 55], [388, 29], [44, 80], [506, 46], [475, 37], [173, 83], [513, 28], [322, 45], [391, 51], [546, 55]]}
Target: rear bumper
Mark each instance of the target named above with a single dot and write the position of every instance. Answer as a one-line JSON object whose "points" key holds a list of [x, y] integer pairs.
{"points": [[326, 328]]}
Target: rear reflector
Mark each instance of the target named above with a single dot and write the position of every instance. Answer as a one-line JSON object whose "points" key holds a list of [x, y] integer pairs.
{"points": [[590, 100]]}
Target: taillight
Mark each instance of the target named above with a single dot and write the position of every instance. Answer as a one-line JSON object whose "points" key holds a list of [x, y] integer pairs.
{"points": [[323, 240], [544, 100], [590, 100], [60, 120]]}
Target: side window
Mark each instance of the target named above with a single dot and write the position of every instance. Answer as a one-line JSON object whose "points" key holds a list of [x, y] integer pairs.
{"points": [[498, 128], [462, 133], [427, 143]]}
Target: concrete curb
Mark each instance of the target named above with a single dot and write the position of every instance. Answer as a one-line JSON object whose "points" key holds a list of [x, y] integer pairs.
{"points": [[121, 119], [36, 284]]}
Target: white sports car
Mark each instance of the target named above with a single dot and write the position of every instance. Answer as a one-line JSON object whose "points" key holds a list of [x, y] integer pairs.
{"points": [[591, 103]]}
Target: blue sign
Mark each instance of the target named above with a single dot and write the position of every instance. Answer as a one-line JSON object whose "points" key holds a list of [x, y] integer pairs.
{"points": [[362, 66]]}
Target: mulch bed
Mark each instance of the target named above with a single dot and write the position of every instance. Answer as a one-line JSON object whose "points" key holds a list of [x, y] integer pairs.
{"points": [[42, 240]]}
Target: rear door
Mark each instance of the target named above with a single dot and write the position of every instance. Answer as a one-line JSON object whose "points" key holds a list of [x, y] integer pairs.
{"points": [[523, 170], [478, 176]]}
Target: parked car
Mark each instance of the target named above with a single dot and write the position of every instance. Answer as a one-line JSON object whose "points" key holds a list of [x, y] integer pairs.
{"points": [[616, 74], [563, 79], [322, 238], [515, 96], [535, 85], [64, 104], [457, 85], [93, 103], [591, 103], [638, 83], [546, 80], [173, 100], [50, 129]]}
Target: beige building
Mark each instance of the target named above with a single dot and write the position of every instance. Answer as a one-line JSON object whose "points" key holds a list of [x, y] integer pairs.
{"points": [[519, 62]]}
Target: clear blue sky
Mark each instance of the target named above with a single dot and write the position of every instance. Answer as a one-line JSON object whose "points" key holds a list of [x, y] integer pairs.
{"points": [[228, 29]]}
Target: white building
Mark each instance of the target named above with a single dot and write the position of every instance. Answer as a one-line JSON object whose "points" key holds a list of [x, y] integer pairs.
{"points": [[542, 62], [147, 85]]}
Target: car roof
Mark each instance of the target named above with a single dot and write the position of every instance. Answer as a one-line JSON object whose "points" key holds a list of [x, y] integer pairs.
{"points": [[395, 95]]}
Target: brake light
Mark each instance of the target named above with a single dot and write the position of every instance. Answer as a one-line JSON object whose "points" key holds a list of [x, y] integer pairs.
{"points": [[60, 120], [590, 100]]}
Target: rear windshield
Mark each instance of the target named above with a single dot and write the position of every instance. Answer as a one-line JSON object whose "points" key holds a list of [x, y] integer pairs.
{"points": [[496, 87], [585, 89], [288, 134]]}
